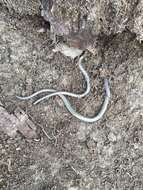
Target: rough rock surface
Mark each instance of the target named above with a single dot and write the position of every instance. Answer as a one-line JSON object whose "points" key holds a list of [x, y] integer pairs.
{"points": [[26, 7], [10, 124], [136, 24], [83, 22], [107, 155]]}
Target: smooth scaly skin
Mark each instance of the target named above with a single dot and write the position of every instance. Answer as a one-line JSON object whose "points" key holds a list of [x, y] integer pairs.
{"points": [[84, 118], [62, 92], [68, 104]]}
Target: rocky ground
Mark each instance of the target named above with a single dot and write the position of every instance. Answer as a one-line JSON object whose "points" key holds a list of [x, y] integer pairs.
{"points": [[71, 155]]}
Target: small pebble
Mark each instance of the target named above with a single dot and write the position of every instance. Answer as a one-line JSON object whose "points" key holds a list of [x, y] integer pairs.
{"points": [[112, 137], [41, 30], [18, 148]]}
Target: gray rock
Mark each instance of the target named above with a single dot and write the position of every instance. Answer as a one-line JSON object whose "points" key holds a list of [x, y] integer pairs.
{"points": [[10, 123], [30, 7], [83, 23]]}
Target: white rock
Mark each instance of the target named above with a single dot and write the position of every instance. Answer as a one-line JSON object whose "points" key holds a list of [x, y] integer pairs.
{"points": [[68, 51], [112, 137]]}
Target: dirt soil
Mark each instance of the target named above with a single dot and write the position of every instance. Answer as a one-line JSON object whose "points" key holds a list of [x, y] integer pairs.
{"points": [[106, 155]]}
